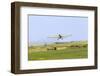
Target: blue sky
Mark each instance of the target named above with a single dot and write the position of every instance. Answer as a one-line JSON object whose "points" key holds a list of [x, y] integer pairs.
{"points": [[40, 27]]}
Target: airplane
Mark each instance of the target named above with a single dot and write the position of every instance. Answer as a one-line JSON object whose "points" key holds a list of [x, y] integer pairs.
{"points": [[59, 36]]}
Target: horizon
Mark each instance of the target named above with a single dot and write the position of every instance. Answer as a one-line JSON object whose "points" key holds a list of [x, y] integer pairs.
{"points": [[43, 43]]}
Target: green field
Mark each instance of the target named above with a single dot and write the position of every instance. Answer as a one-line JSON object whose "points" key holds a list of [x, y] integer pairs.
{"points": [[66, 50]]}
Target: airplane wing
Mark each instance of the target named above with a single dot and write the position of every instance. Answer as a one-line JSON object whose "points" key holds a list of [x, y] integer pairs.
{"points": [[53, 37], [57, 36], [66, 35]]}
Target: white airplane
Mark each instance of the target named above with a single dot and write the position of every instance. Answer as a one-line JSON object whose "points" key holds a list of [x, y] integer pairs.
{"points": [[59, 36]]}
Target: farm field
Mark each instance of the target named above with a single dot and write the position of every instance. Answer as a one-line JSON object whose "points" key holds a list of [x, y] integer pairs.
{"points": [[59, 50]]}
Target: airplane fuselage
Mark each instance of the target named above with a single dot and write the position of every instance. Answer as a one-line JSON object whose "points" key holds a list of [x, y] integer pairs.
{"points": [[60, 37]]}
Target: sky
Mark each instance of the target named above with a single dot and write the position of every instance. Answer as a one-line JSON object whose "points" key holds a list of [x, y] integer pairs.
{"points": [[41, 27]]}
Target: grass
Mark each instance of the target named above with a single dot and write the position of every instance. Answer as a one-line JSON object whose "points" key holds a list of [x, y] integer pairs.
{"points": [[69, 52]]}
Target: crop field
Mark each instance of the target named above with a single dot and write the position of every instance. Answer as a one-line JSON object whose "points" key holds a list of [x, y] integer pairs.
{"points": [[59, 50]]}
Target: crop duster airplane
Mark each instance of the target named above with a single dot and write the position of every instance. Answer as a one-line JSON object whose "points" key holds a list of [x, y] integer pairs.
{"points": [[59, 36]]}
